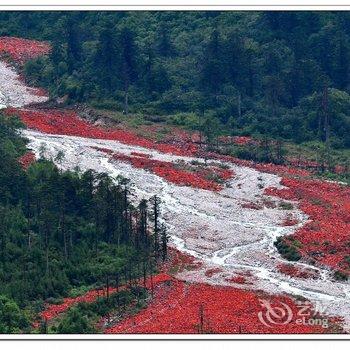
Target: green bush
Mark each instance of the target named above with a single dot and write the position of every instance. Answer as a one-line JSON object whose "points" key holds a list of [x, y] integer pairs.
{"points": [[285, 205], [12, 318], [341, 276], [75, 323], [288, 248]]}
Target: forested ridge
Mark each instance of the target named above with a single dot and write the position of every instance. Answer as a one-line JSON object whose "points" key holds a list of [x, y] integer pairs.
{"points": [[250, 72], [63, 233]]}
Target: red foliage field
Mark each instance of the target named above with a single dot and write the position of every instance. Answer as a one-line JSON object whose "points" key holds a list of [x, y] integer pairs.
{"points": [[237, 279], [237, 140], [66, 122], [27, 159], [52, 310], [294, 271], [180, 261], [290, 221], [139, 154], [22, 50], [326, 238], [213, 271], [172, 173], [176, 309], [176, 259]]}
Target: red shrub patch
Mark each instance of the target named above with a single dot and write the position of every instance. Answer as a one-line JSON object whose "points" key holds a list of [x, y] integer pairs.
{"points": [[312, 165], [68, 123], [281, 169], [236, 279], [22, 50], [238, 140], [27, 159], [213, 271], [168, 171], [180, 261], [242, 140], [40, 92], [176, 308], [251, 205], [294, 271], [142, 155], [53, 311], [326, 239], [290, 221], [224, 174]]}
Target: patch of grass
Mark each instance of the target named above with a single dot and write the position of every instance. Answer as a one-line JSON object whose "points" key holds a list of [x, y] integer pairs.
{"points": [[318, 202], [214, 177], [55, 301], [186, 120], [78, 291], [285, 205], [288, 248], [341, 276]]}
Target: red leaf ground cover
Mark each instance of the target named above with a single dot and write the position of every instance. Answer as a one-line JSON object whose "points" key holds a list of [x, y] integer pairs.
{"points": [[53, 310], [326, 238], [142, 155], [290, 221], [264, 167], [251, 205], [213, 271], [39, 92], [308, 164], [169, 172], [176, 306], [27, 159], [175, 259], [236, 279], [66, 122], [179, 261], [293, 271], [237, 140], [22, 50]]}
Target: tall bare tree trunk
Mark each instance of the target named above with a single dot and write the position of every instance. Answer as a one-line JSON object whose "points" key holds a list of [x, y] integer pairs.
{"points": [[326, 125], [126, 98]]}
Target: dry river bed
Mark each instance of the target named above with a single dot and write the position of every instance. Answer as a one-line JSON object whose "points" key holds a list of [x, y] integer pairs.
{"points": [[211, 226]]}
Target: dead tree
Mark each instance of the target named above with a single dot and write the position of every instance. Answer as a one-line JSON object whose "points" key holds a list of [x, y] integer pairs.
{"points": [[326, 124]]}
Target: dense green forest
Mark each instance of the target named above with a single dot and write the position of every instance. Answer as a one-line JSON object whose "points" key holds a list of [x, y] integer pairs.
{"points": [[274, 73], [62, 233]]}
